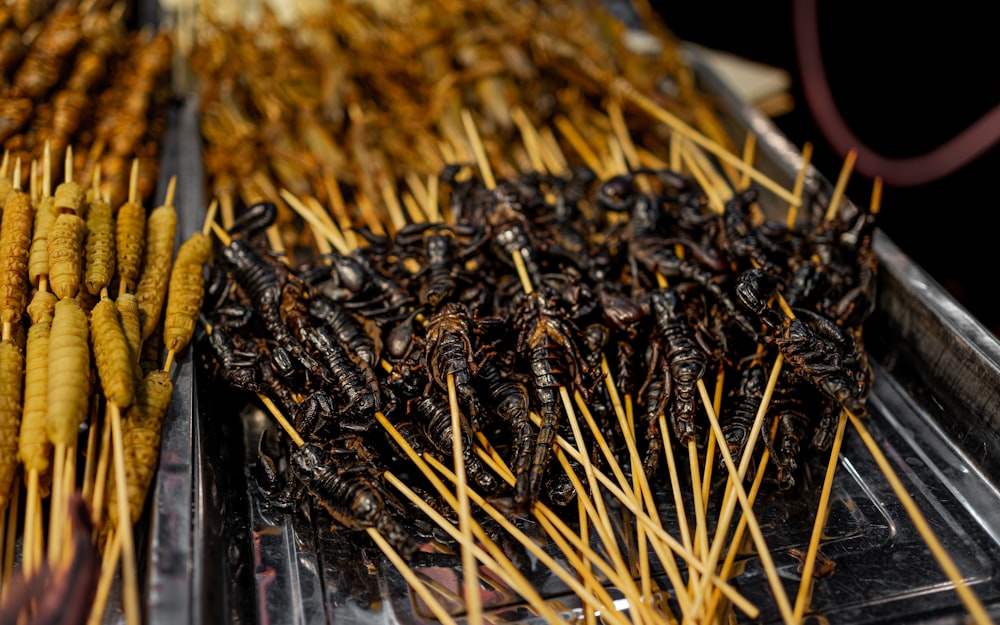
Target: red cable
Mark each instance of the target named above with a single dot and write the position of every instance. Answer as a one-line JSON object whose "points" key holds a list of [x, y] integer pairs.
{"points": [[943, 160]]}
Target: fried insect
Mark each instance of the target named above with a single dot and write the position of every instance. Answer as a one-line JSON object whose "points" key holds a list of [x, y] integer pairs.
{"points": [[34, 448], [345, 327], [128, 311], [69, 392], [130, 233], [186, 291], [152, 289], [435, 415], [65, 259], [509, 400], [142, 425], [99, 249], [69, 197], [685, 362], [38, 253], [815, 347], [546, 339], [11, 374], [740, 411], [358, 388], [15, 241], [112, 354], [449, 352], [350, 497]]}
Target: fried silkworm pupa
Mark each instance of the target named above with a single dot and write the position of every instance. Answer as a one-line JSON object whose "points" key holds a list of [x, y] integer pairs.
{"points": [[128, 309], [11, 372], [15, 240], [34, 448], [112, 354], [68, 393], [99, 250], [130, 233], [65, 258], [186, 291], [38, 253], [152, 289], [141, 428], [69, 196]]}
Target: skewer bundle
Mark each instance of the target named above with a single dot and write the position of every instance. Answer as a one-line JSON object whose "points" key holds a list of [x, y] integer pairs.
{"points": [[76, 77], [78, 399], [286, 104], [527, 290]]}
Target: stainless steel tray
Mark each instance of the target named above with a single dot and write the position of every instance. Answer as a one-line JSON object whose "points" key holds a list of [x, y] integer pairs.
{"points": [[216, 555]]}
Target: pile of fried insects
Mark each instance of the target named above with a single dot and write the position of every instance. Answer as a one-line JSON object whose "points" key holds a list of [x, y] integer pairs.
{"points": [[546, 307]]}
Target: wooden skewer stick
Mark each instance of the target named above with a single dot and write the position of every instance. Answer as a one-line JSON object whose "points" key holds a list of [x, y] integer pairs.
{"points": [[800, 181], [130, 575], [777, 589], [9, 541], [316, 222], [583, 149], [58, 499], [822, 511], [594, 506], [477, 148], [656, 529], [741, 527], [495, 560], [640, 493], [838, 191], [424, 464], [622, 86], [706, 479], [112, 553], [529, 137], [969, 598], [418, 586], [470, 572], [545, 517]]}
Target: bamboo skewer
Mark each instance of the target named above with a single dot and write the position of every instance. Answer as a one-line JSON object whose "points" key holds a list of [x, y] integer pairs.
{"points": [[470, 571]]}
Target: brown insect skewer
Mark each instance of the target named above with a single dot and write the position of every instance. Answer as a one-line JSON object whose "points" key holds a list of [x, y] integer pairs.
{"points": [[822, 508]]}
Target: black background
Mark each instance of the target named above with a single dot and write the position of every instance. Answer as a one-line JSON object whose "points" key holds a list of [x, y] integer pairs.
{"points": [[905, 81]]}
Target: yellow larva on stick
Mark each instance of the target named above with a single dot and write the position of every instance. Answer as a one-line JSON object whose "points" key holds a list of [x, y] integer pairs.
{"points": [[38, 253], [65, 258], [15, 240], [186, 291], [34, 448], [99, 256], [68, 393], [128, 309], [11, 372], [69, 197], [161, 228], [130, 233], [141, 428], [112, 354]]}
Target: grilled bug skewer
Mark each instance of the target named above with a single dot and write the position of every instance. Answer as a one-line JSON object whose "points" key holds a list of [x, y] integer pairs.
{"points": [[261, 280], [449, 351], [151, 292], [547, 341], [684, 361], [34, 448], [812, 345], [740, 411], [436, 418], [345, 327], [99, 249], [349, 497], [11, 374], [15, 241], [359, 389], [186, 291]]}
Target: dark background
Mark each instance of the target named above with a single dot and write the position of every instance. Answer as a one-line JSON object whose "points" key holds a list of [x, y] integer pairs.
{"points": [[905, 81]]}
